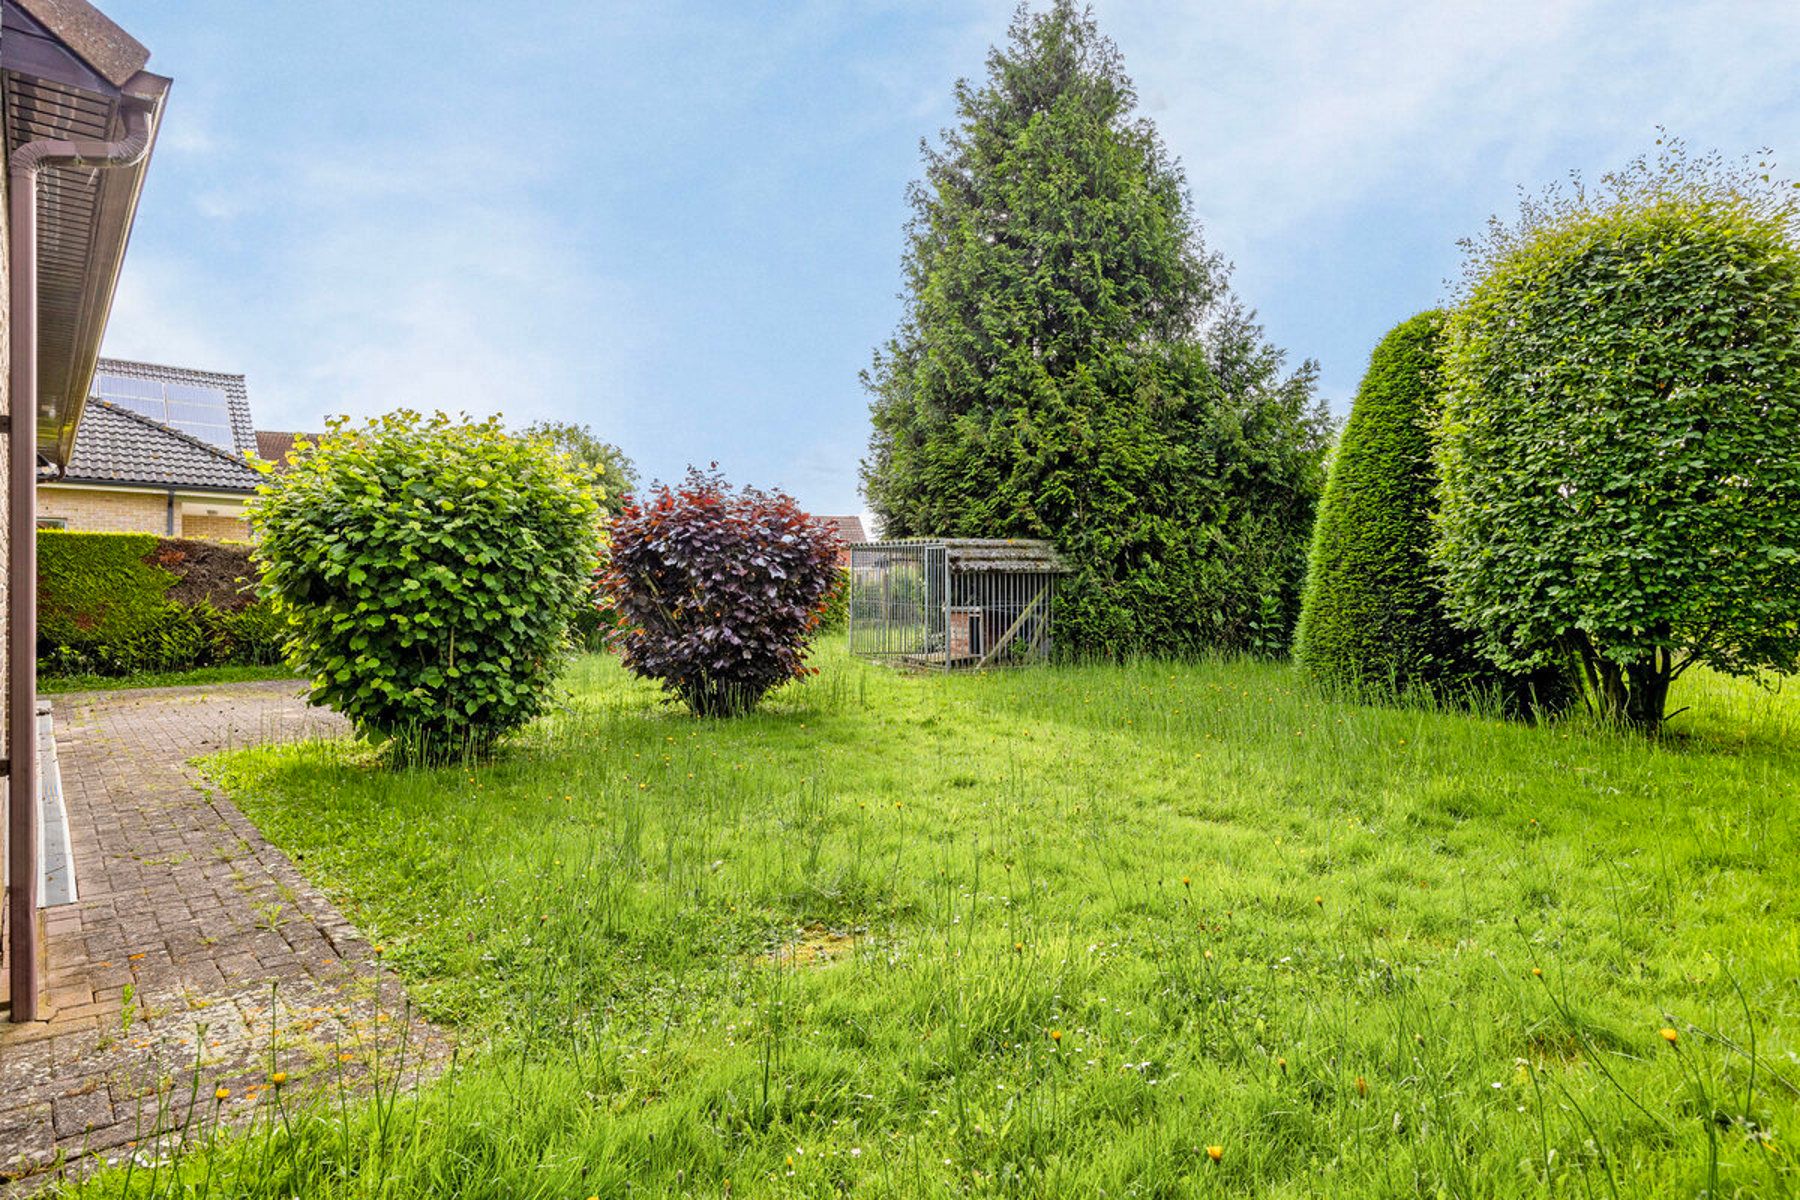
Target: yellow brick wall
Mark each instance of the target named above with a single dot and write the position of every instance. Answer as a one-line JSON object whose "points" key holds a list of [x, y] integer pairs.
{"points": [[99, 511], [217, 529]]}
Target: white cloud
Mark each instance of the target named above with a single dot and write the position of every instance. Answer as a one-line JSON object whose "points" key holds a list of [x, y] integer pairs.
{"points": [[427, 279], [1286, 113], [154, 320]]}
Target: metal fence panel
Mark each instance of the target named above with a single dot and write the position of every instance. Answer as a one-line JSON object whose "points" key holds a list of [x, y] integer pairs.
{"points": [[897, 602]]}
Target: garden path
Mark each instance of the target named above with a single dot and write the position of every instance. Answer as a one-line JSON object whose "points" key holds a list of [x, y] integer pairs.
{"points": [[194, 943]]}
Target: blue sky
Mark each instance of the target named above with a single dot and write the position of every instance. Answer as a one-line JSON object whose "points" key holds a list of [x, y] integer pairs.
{"points": [[681, 223]]}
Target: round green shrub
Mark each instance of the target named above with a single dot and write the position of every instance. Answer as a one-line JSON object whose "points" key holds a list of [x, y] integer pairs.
{"points": [[1619, 449], [428, 571], [1373, 619]]}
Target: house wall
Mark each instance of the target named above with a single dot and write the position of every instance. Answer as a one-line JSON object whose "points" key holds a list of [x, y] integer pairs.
{"points": [[102, 511], [213, 529], [124, 510]]}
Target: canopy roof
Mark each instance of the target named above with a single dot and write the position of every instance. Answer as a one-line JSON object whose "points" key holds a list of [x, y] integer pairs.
{"points": [[1006, 555]]}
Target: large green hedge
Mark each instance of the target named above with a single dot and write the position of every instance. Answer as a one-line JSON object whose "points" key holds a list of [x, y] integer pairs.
{"points": [[1071, 364], [1374, 618], [118, 603]]}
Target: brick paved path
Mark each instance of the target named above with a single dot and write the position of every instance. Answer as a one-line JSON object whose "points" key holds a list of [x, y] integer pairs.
{"points": [[194, 940]]}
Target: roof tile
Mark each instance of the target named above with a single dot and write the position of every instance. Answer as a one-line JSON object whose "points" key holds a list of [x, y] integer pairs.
{"points": [[116, 445]]}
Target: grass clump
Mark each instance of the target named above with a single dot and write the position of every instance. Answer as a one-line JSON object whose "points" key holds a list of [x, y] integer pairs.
{"points": [[1088, 926]]}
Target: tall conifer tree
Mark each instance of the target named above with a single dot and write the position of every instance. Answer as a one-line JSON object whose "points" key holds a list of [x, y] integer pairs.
{"points": [[1072, 365]]}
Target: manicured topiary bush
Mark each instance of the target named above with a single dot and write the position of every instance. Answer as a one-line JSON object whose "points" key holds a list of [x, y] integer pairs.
{"points": [[428, 571], [717, 590], [1373, 620], [117, 603], [1619, 449]]}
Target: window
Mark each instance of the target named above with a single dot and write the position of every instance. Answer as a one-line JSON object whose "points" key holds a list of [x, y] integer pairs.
{"points": [[53, 522], [198, 409]]}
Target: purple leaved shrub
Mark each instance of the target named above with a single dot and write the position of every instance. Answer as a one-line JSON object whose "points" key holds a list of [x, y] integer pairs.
{"points": [[716, 590]]}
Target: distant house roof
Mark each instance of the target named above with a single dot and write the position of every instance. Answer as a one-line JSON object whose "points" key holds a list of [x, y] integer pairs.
{"points": [[165, 427], [117, 445], [274, 445], [849, 530], [213, 406]]}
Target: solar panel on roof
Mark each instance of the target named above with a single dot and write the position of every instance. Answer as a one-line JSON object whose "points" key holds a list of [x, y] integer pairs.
{"points": [[196, 409]]}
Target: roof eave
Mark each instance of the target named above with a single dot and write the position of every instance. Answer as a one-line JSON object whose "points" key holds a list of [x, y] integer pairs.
{"points": [[92, 36], [160, 485], [59, 414]]}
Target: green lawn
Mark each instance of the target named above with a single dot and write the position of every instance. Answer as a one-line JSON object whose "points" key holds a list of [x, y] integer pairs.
{"points": [[1089, 922]]}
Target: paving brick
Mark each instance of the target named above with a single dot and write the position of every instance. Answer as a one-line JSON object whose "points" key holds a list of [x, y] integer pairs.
{"points": [[175, 886], [74, 1115]]}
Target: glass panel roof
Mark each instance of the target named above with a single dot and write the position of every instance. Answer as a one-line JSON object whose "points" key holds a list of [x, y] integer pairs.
{"points": [[196, 409]]}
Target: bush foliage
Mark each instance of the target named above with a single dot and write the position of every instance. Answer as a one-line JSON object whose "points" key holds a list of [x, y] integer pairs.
{"points": [[1620, 440], [1072, 365], [1374, 619], [428, 571], [121, 603], [608, 469], [717, 590]]}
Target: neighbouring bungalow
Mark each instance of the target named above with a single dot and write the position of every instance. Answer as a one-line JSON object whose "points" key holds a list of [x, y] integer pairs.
{"points": [[849, 532], [160, 450], [80, 118]]}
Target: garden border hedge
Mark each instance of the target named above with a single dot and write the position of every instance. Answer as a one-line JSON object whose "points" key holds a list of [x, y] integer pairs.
{"points": [[119, 603]]}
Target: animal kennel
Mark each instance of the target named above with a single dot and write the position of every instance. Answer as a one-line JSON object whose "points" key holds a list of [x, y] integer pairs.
{"points": [[953, 603]]}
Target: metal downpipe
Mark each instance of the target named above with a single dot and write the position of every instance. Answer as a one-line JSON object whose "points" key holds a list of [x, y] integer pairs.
{"points": [[21, 568]]}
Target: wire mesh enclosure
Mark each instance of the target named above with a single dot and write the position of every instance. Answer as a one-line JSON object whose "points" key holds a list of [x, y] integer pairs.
{"points": [[953, 603]]}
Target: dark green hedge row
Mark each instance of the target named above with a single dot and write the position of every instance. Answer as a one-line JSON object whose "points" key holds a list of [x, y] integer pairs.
{"points": [[118, 603]]}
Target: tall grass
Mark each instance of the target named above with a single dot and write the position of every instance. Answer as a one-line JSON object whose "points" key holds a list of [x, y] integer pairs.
{"points": [[1093, 924]]}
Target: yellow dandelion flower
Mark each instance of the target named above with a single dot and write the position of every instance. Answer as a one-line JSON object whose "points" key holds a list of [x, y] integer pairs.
{"points": [[1215, 1152], [1056, 1035], [1281, 1063], [1538, 971], [1670, 1036], [222, 1093], [278, 1078]]}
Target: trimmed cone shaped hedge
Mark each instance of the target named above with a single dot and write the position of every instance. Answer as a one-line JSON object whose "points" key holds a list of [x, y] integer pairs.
{"points": [[1373, 619]]}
